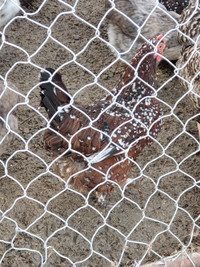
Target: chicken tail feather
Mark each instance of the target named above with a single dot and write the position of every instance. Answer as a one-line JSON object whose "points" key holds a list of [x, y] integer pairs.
{"points": [[53, 93]]}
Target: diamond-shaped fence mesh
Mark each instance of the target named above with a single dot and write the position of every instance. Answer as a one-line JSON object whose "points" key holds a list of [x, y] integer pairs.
{"points": [[46, 222]]}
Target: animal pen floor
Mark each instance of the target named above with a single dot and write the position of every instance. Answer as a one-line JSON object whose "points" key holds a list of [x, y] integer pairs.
{"points": [[159, 211]]}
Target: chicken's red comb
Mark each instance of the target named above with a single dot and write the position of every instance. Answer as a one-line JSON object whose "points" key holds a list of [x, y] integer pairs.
{"points": [[159, 37]]}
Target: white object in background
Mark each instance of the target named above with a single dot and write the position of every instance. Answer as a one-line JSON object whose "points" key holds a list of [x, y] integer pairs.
{"points": [[8, 9]]}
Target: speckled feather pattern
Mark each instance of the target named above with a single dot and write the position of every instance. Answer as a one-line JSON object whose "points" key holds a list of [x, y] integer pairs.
{"points": [[190, 57], [131, 120], [190, 20], [175, 5]]}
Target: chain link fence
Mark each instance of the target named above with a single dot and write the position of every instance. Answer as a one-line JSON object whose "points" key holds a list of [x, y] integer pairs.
{"points": [[45, 223]]}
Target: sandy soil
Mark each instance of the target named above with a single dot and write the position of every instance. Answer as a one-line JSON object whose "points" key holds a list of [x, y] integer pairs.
{"points": [[44, 224]]}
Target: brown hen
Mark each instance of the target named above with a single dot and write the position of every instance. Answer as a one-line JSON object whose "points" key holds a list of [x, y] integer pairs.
{"points": [[100, 142]]}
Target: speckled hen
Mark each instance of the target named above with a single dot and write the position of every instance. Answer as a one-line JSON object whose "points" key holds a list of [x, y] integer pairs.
{"points": [[189, 62], [175, 5], [101, 141], [8, 99], [147, 18]]}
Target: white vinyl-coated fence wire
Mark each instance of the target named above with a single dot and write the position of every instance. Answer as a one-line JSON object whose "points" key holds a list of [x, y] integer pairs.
{"points": [[43, 220]]}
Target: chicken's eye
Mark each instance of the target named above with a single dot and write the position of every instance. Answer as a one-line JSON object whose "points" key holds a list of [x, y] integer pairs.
{"points": [[161, 47]]}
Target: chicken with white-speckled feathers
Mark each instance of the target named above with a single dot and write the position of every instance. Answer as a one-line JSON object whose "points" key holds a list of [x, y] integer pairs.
{"points": [[100, 142], [175, 5]]}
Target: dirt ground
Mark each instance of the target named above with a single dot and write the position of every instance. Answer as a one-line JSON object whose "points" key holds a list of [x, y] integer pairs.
{"points": [[43, 223]]}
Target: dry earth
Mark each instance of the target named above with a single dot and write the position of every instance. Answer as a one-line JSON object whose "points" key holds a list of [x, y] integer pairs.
{"points": [[45, 224]]}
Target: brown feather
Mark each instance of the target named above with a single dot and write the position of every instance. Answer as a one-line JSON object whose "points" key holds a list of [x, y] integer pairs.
{"points": [[131, 120]]}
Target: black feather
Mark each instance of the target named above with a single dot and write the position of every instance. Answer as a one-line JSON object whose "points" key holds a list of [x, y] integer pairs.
{"points": [[48, 95]]}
